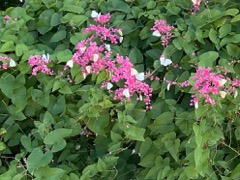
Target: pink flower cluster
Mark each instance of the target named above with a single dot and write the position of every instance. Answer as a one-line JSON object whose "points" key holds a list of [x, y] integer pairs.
{"points": [[208, 84], [102, 18], [105, 33], [94, 58], [161, 29], [39, 64], [6, 62]]}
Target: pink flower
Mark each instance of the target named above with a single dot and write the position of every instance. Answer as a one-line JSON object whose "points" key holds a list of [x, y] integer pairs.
{"points": [[39, 64], [161, 29]]}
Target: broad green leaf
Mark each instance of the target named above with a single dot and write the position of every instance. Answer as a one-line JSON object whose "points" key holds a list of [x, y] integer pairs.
{"points": [[57, 135], [59, 106], [134, 133], [72, 8], [120, 6], [58, 36], [7, 47], [208, 59], [101, 166], [64, 56], [38, 159], [56, 19], [235, 19], [172, 9], [191, 172], [21, 49], [48, 173], [136, 56], [145, 147], [73, 19], [233, 50], [231, 12], [26, 142], [235, 173], [224, 30], [163, 123]]}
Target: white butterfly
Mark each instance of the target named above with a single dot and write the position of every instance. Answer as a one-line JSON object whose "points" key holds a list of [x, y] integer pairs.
{"points": [[126, 93], [121, 39], [156, 33], [109, 86], [222, 82], [88, 68], [139, 76], [95, 57], [223, 94], [12, 63], [108, 47], [45, 57], [197, 2], [70, 63], [164, 61], [235, 94], [95, 14]]}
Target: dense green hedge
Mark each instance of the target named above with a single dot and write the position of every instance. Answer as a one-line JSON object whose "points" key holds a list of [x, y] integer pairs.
{"points": [[66, 126]]}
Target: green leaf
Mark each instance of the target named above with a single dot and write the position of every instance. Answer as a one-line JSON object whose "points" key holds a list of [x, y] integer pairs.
{"points": [[56, 19], [136, 56], [73, 19], [56, 138], [7, 47], [102, 77], [72, 8], [224, 30], [101, 166], [134, 133], [231, 12], [2, 146], [26, 142], [207, 59], [233, 50], [191, 172], [236, 18], [163, 123], [235, 173], [21, 49], [120, 6], [172, 9], [172, 144], [65, 55], [38, 159], [48, 173], [59, 106], [58, 36]]}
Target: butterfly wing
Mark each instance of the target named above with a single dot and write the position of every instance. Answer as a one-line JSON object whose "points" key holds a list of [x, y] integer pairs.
{"points": [[126, 93], [94, 14], [140, 76], [156, 33]]}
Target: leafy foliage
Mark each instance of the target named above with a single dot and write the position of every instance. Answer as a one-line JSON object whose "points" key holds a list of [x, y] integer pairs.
{"points": [[65, 126]]}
